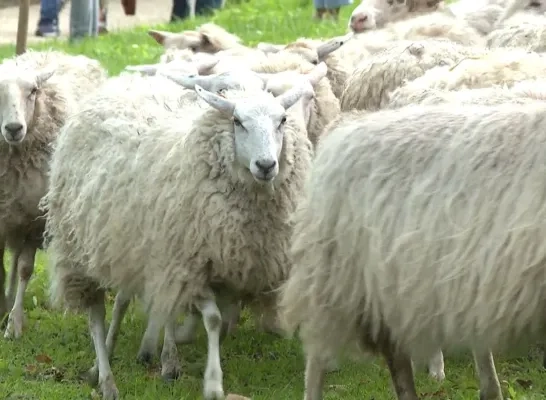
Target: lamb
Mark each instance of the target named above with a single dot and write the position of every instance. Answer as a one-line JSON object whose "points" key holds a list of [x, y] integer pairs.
{"points": [[208, 38], [407, 285], [499, 67], [521, 93], [369, 85], [251, 193], [38, 91], [316, 51]]}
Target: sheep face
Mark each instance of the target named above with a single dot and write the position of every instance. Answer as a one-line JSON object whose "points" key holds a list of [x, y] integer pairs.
{"points": [[258, 127], [19, 94], [363, 18]]}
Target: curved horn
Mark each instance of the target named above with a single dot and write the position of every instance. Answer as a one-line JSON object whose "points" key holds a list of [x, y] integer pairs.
{"points": [[220, 103], [187, 81]]}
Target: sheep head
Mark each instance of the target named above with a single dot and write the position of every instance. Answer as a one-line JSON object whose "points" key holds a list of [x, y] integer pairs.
{"points": [[259, 121], [20, 95]]}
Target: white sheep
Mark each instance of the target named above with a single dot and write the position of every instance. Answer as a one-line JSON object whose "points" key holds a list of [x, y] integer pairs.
{"points": [[369, 85], [38, 91], [194, 65], [316, 51], [208, 38], [251, 192], [521, 93], [530, 36], [498, 67], [522, 7], [421, 228]]}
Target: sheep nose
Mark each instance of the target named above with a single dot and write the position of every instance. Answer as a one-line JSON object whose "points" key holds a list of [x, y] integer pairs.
{"points": [[13, 128], [266, 166]]}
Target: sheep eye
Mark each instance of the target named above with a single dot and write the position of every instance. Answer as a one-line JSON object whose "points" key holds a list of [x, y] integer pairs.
{"points": [[314, 62], [283, 120], [237, 122], [535, 4], [33, 91]]}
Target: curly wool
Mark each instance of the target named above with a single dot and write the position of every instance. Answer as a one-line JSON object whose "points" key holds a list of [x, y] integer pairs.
{"points": [[325, 105], [199, 219], [369, 85], [531, 37], [498, 67], [522, 93], [23, 180], [426, 220]]}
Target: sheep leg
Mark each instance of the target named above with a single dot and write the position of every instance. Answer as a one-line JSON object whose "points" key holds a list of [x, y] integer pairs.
{"points": [[212, 319], [170, 364], [436, 366], [3, 305], [187, 332], [120, 307], [13, 273], [489, 382], [315, 371], [148, 345], [26, 268], [97, 314], [401, 373]]}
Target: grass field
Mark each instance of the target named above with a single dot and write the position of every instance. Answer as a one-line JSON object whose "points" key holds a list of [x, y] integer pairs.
{"points": [[47, 362]]}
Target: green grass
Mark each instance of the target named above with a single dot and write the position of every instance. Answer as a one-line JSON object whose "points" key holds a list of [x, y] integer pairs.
{"points": [[46, 363]]}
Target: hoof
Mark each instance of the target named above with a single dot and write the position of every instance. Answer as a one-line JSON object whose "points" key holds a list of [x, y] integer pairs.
{"points": [[437, 375], [92, 376], [109, 390], [214, 391], [145, 358], [171, 372], [14, 330]]}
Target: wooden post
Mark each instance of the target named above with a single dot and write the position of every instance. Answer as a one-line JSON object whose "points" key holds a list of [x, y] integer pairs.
{"points": [[22, 27]]}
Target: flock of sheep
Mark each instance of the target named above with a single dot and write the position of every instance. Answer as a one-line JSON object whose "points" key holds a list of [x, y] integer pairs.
{"points": [[381, 191]]}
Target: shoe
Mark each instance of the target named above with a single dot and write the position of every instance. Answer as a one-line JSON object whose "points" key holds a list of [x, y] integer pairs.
{"points": [[49, 30]]}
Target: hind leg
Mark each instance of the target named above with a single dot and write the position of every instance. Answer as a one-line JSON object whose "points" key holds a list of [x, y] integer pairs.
{"points": [[489, 382], [25, 264], [120, 307], [401, 373], [170, 363], [97, 313], [436, 366], [315, 370]]}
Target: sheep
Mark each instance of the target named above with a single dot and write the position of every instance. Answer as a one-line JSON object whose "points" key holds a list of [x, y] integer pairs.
{"points": [[38, 91], [194, 65], [531, 37], [316, 51], [208, 38], [199, 173], [371, 82], [378, 260], [522, 7], [498, 67], [521, 93]]}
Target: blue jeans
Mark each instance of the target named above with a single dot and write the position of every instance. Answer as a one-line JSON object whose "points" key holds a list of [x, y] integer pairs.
{"points": [[202, 7], [49, 12], [84, 18]]}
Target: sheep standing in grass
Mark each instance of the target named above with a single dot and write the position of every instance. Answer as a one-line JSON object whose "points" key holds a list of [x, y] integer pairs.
{"points": [[369, 85], [226, 183], [378, 258], [38, 91]]}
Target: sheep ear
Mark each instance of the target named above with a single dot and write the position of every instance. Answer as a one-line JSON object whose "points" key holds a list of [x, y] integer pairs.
{"points": [[291, 97], [317, 73], [186, 81], [220, 103], [330, 46], [44, 75], [147, 69], [160, 36]]}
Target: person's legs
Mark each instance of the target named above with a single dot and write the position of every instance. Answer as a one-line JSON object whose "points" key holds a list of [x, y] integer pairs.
{"points": [[204, 7], [48, 24], [320, 9], [103, 16], [180, 10], [84, 16]]}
